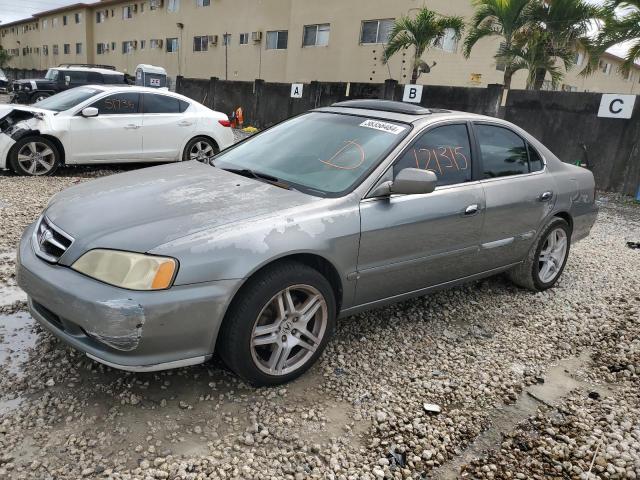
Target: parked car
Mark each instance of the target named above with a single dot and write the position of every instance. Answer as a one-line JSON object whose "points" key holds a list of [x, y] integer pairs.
{"points": [[108, 124], [338, 210], [4, 82], [64, 77]]}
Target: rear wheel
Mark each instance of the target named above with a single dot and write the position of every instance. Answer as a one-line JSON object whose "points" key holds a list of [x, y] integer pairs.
{"points": [[34, 156], [546, 259], [201, 149], [278, 325]]}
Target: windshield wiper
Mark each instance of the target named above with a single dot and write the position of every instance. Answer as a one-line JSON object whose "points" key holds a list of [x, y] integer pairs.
{"points": [[246, 172]]}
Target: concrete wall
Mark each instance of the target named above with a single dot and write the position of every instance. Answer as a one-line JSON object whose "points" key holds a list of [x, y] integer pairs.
{"points": [[567, 123]]}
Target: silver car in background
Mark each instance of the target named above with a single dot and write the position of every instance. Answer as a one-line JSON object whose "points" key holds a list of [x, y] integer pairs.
{"points": [[335, 211]]}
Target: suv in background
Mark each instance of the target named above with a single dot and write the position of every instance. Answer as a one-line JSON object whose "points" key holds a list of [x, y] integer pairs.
{"points": [[62, 78]]}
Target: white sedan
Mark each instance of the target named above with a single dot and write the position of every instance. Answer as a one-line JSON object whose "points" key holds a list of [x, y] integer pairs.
{"points": [[109, 124]]}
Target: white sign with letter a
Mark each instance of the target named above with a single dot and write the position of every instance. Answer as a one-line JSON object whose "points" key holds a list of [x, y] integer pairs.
{"points": [[412, 93], [296, 90], [613, 105]]}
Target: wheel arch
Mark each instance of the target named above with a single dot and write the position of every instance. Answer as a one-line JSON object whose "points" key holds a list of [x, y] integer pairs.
{"points": [[566, 216], [198, 135], [36, 133]]}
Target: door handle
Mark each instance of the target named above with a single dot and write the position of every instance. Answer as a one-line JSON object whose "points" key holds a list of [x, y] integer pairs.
{"points": [[131, 126], [471, 210], [546, 196], [184, 123]]}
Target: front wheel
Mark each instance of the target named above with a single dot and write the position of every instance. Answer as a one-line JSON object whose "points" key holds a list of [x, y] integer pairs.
{"points": [[34, 156], [546, 259], [278, 325], [36, 97], [201, 149]]}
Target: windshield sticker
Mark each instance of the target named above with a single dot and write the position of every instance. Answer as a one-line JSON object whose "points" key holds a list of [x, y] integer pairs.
{"points": [[383, 126], [348, 157]]}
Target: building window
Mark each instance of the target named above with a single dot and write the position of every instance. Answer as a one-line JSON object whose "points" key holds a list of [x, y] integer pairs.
{"points": [[45, 23], [45, 50], [200, 44], [54, 22], [376, 31], [316, 35], [78, 48], [142, 7], [142, 44], [172, 45], [127, 12], [127, 47], [55, 50], [64, 20], [154, 4], [173, 6], [605, 67], [101, 48], [78, 17], [277, 40], [113, 46], [226, 39], [579, 58], [203, 3], [66, 49], [244, 38], [100, 16], [155, 43], [448, 42]]}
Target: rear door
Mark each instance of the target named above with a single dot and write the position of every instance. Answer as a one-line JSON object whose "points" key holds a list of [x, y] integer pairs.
{"points": [[167, 126], [519, 193], [115, 135], [409, 242]]}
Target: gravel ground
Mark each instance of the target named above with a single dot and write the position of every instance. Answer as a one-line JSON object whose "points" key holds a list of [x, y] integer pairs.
{"points": [[529, 385]]}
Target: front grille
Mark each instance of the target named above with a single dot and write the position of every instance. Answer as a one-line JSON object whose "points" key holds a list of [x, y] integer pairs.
{"points": [[49, 241]]}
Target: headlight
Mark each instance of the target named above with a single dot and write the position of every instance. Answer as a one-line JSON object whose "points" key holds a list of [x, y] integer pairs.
{"points": [[134, 271]]}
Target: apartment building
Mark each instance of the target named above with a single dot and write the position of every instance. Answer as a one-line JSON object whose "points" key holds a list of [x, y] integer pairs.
{"points": [[276, 40]]}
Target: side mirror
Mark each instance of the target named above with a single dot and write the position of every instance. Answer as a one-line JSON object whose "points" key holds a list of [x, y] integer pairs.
{"points": [[89, 112], [409, 181], [67, 80]]}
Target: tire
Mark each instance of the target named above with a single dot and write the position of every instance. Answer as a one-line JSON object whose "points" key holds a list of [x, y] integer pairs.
{"points": [[201, 149], [44, 157], [533, 273], [36, 97], [254, 316]]}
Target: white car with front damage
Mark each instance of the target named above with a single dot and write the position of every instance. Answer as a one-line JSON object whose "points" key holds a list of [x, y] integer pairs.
{"points": [[107, 124]]}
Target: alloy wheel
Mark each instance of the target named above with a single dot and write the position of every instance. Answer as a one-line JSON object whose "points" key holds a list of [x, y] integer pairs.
{"points": [[36, 158], [201, 151], [552, 255], [289, 330]]}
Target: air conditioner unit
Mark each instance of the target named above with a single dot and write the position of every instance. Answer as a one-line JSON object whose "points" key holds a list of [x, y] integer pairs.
{"points": [[213, 39], [256, 36], [135, 44]]}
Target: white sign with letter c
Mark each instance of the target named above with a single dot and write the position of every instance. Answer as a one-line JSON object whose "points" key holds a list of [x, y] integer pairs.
{"points": [[613, 105]]}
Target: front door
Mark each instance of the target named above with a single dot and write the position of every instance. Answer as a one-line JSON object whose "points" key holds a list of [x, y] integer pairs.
{"points": [[115, 135], [518, 191], [409, 242]]}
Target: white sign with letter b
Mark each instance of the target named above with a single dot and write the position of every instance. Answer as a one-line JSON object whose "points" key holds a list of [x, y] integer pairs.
{"points": [[412, 93]]}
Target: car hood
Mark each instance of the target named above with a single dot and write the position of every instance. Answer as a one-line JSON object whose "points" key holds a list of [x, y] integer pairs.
{"points": [[6, 109], [142, 209]]}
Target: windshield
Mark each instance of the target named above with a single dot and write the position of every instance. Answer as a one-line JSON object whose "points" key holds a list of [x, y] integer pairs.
{"points": [[67, 99], [318, 153], [52, 74]]}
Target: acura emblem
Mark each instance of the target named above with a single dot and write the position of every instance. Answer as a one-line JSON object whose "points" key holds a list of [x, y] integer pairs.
{"points": [[45, 236]]}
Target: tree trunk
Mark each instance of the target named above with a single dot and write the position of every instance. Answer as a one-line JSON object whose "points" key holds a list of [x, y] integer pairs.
{"points": [[541, 73], [508, 75], [414, 75]]}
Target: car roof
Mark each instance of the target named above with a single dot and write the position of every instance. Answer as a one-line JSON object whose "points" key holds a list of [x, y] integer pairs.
{"points": [[104, 71], [138, 88], [398, 111]]}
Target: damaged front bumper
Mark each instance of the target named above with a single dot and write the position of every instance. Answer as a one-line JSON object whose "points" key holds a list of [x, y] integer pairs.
{"points": [[128, 330]]}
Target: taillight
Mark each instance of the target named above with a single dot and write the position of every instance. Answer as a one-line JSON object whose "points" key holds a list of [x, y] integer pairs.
{"points": [[224, 123]]}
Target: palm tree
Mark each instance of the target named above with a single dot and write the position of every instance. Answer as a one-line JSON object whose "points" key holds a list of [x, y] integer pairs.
{"points": [[4, 57], [623, 29], [501, 18], [532, 55], [567, 24], [421, 32]]}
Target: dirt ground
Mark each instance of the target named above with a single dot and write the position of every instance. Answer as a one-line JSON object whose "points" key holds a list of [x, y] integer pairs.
{"points": [[529, 385]]}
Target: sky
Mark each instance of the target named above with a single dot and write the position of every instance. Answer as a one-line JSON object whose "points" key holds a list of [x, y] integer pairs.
{"points": [[11, 10]]}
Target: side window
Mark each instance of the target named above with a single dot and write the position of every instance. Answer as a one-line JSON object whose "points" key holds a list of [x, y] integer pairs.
{"points": [[118, 104], [535, 160], [94, 77], [503, 152], [183, 105], [76, 77], [444, 150], [160, 104]]}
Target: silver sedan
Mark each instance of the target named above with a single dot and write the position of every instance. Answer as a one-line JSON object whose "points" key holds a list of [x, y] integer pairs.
{"points": [[335, 211]]}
